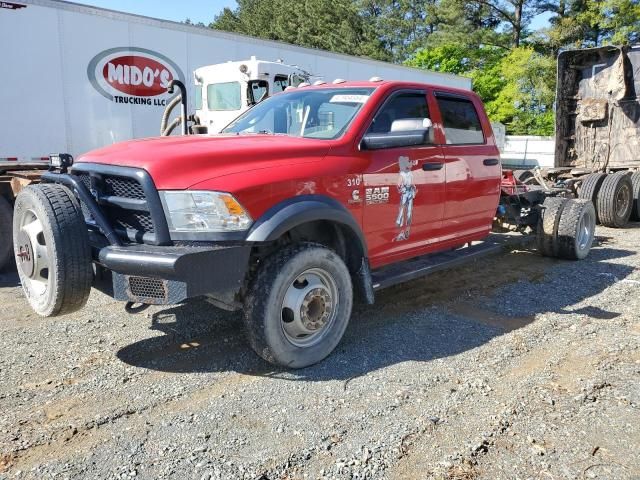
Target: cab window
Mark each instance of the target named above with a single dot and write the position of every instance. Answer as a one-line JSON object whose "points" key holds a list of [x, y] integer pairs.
{"points": [[460, 121], [223, 96], [408, 110], [280, 82]]}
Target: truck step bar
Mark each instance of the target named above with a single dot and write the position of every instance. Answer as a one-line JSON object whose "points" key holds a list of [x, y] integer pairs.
{"points": [[428, 264]]}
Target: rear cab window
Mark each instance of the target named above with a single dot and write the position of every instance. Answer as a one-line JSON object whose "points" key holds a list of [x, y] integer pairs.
{"points": [[460, 120]]}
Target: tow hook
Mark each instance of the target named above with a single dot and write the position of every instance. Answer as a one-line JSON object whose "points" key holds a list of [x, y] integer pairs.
{"points": [[132, 309]]}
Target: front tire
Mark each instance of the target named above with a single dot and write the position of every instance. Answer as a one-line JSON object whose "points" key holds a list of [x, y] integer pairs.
{"points": [[298, 306], [52, 249]]}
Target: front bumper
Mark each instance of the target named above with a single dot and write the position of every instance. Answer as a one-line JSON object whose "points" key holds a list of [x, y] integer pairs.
{"points": [[161, 275]]}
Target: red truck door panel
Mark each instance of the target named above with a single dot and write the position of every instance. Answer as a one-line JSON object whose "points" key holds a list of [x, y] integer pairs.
{"points": [[472, 168], [404, 188]]}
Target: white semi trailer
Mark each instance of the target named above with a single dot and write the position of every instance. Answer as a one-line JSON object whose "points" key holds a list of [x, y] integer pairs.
{"points": [[77, 77]]}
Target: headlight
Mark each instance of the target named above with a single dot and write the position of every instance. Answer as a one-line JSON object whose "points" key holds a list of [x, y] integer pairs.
{"points": [[198, 211]]}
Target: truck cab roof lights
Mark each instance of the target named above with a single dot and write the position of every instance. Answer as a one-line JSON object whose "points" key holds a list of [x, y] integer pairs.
{"points": [[375, 79], [304, 84], [289, 88], [319, 82], [338, 80]]}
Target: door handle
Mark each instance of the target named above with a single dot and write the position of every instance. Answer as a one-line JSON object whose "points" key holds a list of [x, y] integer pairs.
{"points": [[491, 161], [430, 167]]}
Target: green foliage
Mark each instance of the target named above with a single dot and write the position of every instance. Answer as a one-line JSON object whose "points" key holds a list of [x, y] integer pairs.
{"points": [[335, 25], [490, 41], [525, 101]]}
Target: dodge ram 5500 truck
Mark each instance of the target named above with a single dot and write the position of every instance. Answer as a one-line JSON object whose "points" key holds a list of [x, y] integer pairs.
{"points": [[313, 197]]}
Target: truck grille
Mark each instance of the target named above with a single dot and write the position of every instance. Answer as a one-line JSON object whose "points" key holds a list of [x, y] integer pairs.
{"points": [[131, 220], [123, 187], [128, 200]]}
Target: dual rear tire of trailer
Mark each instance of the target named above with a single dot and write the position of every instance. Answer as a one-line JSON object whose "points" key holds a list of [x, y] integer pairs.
{"points": [[566, 228], [615, 197]]}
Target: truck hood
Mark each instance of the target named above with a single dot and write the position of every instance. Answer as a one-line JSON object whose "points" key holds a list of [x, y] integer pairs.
{"points": [[176, 163]]}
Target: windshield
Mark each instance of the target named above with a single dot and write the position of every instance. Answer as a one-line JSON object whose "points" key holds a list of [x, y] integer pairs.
{"points": [[321, 113], [223, 96]]}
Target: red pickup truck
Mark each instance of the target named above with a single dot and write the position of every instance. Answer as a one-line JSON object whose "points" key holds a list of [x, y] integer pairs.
{"points": [[312, 198]]}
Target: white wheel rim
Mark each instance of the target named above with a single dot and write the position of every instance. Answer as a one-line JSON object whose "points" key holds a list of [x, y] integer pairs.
{"points": [[309, 307], [586, 230], [32, 255]]}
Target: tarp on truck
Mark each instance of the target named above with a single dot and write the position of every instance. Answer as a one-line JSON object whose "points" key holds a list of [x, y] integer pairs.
{"points": [[597, 108]]}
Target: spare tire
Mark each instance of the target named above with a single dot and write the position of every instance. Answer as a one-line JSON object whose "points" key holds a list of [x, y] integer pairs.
{"points": [[590, 187], [548, 225], [6, 249], [635, 181], [52, 249], [576, 229], [615, 200]]}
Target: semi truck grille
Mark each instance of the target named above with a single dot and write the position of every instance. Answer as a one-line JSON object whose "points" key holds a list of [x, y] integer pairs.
{"points": [[129, 201]]}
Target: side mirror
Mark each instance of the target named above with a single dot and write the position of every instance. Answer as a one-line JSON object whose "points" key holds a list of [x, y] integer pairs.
{"points": [[404, 132], [410, 138]]}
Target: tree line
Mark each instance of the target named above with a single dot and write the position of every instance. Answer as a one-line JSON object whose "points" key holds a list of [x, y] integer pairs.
{"points": [[511, 64]]}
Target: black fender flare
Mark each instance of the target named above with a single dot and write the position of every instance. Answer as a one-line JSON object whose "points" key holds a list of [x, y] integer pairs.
{"points": [[302, 209], [292, 212]]}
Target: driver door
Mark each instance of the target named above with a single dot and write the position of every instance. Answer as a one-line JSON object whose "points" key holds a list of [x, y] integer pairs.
{"points": [[404, 186]]}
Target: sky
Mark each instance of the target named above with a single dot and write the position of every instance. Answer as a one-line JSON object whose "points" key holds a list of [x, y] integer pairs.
{"points": [[176, 10], [200, 10]]}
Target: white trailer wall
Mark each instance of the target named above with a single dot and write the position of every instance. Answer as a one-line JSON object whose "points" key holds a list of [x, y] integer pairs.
{"points": [[48, 104]]}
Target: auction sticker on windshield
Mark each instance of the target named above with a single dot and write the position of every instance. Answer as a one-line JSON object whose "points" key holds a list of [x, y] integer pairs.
{"points": [[345, 98]]}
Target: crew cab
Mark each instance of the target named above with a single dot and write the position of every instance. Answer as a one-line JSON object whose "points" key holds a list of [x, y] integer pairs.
{"points": [[314, 197]]}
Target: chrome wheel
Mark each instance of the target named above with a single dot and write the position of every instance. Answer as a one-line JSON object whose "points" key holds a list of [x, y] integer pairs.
{"points": [[623, 200], [32, 256], [586, 230], [309, 307]]}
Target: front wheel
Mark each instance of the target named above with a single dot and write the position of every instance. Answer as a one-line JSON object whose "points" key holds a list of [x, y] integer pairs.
{"points": [[52, 249], [298, 305]]}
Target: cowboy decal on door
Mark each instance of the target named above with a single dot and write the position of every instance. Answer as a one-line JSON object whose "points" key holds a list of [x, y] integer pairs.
{"points": [[408, 192]]}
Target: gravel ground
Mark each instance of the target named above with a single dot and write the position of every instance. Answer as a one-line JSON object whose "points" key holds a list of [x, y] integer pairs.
{"points": [[515, 367]]}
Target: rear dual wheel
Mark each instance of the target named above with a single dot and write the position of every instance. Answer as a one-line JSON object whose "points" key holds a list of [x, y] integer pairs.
{"points": [[52, 249], [614, 200], [566, 228]]}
